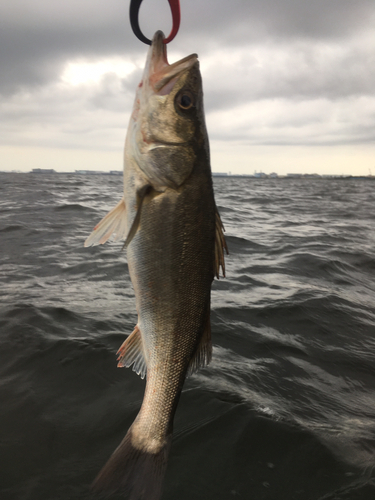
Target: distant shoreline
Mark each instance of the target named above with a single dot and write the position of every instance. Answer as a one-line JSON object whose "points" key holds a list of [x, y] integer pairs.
{"points": [[257, 176]]}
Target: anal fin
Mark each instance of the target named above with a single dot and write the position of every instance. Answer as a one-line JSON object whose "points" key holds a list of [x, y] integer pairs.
{"points": [[220, 246], [131, 353], [113, 223]]}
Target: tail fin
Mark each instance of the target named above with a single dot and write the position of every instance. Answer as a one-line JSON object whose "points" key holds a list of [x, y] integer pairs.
{"points": [[133, 471]]}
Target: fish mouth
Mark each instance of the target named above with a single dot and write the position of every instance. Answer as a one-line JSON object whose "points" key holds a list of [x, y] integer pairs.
{"points": [[158, 72]]}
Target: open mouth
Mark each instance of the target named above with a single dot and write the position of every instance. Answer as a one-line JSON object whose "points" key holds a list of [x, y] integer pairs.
{"points": [[160, 72]]}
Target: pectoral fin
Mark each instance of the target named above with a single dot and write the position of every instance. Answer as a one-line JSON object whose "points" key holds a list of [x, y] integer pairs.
{"points": [[141, 194], [220, 246], [113, 223], [131, 353]]}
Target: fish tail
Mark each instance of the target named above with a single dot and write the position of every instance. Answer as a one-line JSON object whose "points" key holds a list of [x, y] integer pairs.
{"points": [[133, 471]]}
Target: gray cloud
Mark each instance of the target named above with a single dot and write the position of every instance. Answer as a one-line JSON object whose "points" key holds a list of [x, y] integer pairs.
{"points": [[274, 71], [294, 71], [37, 36], [35, 43]]}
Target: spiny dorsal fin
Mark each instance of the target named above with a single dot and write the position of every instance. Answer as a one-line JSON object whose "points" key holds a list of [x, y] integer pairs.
{"points": [[113, 223], [220, 246], [203, 354], [131, 353]]}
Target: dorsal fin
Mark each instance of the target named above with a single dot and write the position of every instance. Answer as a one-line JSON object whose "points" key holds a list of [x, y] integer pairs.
{"points": [[203, 353], [220, 246]]}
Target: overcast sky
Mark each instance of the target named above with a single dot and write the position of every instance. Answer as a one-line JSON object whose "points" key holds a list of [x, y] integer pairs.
{"points": [[289, 84]]}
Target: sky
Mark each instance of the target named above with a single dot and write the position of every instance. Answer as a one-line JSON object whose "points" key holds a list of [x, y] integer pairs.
{"points": [[289, 85]]}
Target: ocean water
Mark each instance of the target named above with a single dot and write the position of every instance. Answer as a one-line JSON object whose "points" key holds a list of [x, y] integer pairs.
{"points": [[286, 409]]}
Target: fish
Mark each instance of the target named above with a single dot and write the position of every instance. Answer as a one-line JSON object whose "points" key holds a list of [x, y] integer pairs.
{"points": [[175, 244]]}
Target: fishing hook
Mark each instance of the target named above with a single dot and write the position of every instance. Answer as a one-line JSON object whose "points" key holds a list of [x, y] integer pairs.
{"points": [[134, 13]]}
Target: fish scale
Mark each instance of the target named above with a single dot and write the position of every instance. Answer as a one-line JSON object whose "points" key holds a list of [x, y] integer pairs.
{"points": [[175, 244]]}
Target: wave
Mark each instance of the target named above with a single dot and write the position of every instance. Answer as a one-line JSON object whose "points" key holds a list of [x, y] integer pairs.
{"points": [[290, 389]]}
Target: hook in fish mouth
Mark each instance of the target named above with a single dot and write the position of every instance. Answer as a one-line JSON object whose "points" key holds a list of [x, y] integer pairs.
{"points": [[158, 72]]}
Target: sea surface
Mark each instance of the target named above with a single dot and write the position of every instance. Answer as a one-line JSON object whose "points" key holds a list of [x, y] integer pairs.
{"points": [[286, 409]]}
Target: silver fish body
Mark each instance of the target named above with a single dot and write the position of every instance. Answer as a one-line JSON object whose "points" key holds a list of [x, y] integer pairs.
{"points": [[174, 248]]}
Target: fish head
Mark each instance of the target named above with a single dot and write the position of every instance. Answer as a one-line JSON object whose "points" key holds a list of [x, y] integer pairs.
{"points": [[167, 123]]}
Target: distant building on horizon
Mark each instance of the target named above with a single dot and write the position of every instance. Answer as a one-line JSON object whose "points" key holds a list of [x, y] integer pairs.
{"points": [[43, 171], [98, 172]]}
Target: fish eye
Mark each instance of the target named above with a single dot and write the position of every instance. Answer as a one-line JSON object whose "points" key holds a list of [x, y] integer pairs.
{"points": [[185, 100]]}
